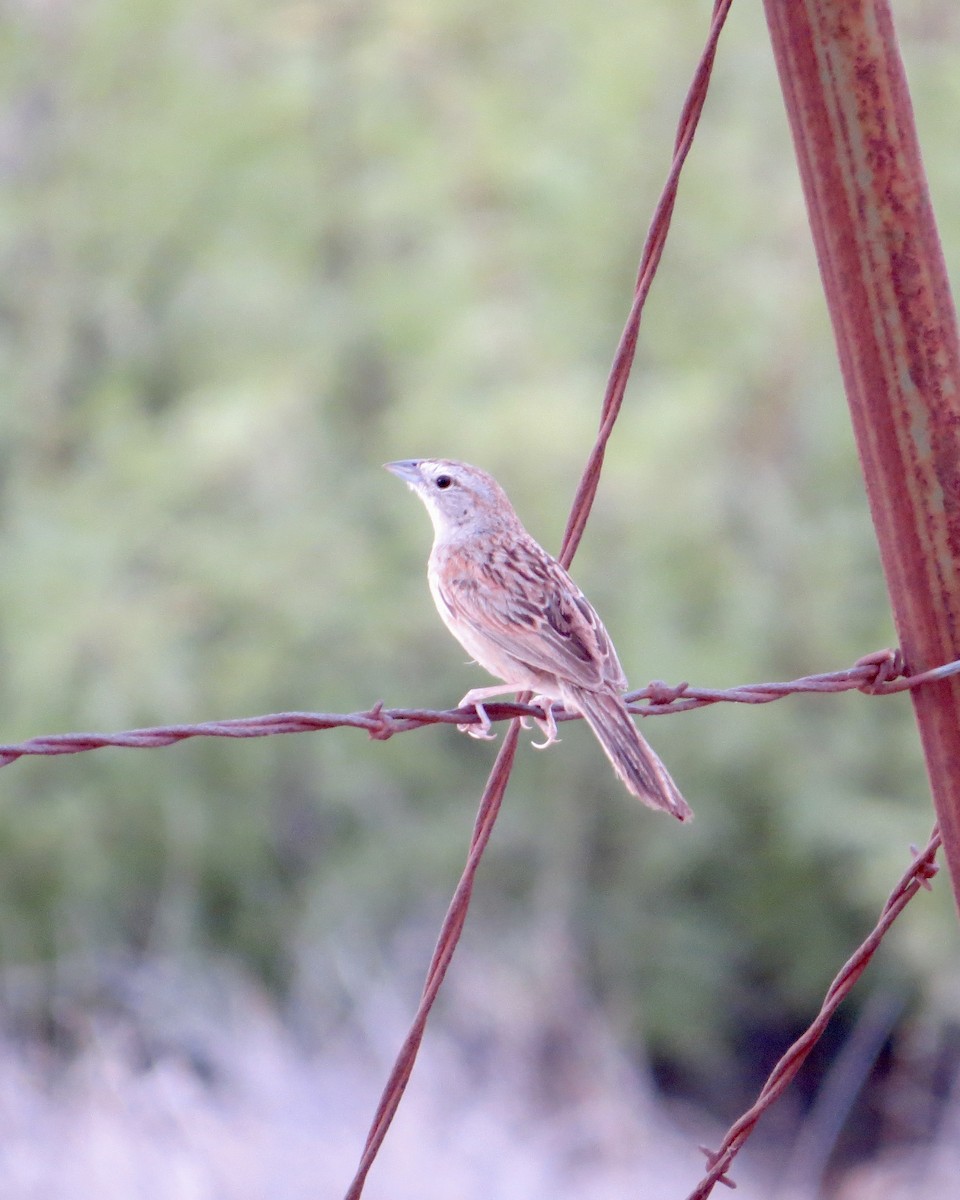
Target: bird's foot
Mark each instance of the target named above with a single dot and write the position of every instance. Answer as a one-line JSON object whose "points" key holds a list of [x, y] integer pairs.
{"points": [[484, 731]]}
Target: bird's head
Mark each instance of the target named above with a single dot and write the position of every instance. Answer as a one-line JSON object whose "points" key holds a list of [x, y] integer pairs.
{"points": [[458, 497]]}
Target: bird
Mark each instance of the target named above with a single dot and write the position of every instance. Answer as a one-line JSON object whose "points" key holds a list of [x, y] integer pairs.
{"points": [[517, 612]]}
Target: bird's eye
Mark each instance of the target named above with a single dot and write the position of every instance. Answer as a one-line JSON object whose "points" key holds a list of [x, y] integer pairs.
{"points": [[443, 481]]}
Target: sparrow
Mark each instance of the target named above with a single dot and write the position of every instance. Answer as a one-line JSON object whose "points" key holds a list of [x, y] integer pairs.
{"points": [[517, 612]]}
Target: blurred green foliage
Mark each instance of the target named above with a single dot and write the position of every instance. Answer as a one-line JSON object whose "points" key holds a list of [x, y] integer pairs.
{"points": [[250, 252]]}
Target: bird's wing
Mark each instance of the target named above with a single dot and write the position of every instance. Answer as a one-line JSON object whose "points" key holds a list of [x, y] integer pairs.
{"points": [[524, 602]]}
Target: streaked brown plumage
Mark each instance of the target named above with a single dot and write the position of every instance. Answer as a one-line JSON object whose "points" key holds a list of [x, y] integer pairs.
{"points": [[514, 609]]}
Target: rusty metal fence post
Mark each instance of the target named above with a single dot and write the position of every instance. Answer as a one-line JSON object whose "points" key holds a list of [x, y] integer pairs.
{"points": [[896, 330]]}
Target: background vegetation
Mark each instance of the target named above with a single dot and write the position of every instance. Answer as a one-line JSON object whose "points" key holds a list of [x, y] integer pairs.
{"points": [[249, 252]]}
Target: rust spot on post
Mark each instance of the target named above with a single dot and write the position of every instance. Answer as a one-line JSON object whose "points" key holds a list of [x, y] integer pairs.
{"points": [[896, 330]]}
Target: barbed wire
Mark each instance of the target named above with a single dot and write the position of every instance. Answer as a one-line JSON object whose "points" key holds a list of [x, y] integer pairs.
{"points": [[918, 875], [878, 674]]}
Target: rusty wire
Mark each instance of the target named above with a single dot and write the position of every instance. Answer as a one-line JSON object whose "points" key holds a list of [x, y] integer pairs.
{"points": [[877, 674], [649, 262], [918, 875]]}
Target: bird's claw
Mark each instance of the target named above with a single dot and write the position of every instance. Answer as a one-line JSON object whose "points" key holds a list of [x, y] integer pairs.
{"points": [[547, 725]]}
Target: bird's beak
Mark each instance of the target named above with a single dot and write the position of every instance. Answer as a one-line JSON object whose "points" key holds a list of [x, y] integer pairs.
{"points": [[407, 469]]}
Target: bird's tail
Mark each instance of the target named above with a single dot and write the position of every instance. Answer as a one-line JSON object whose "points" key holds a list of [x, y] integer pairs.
{"points": [[633, 760]]}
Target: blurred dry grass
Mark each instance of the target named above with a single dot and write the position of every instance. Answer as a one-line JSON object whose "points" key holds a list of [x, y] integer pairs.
{"points": [[198, 1091]]}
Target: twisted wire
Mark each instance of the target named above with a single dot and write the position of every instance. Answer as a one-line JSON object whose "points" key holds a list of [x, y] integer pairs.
{"points": [[877, 674]]}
